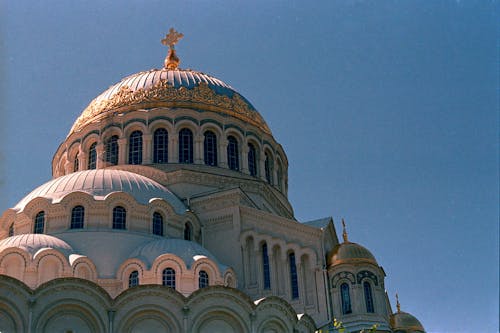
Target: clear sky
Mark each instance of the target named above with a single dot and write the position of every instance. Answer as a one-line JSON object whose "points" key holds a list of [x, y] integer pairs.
{"points": [[388, 111]]}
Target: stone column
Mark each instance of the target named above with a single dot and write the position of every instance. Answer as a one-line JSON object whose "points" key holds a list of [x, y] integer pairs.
{"points": [[82, 159], [147, 149], [173, 148], [198, 149], [244, 159], [100, 162], [122, 151], [223, 152], [262, 166]]}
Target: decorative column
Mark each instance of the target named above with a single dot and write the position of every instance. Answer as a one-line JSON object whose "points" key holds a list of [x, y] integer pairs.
{"points": [[223, 152], [173, 148], [100, 162], [122, 151], [82, 159], [147, 149], [198, 149], [67, 165], [273, 272], [244, 159], [262, 166]]}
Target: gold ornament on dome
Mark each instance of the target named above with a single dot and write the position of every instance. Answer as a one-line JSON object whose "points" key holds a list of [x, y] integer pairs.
{"points": [[163, 94], [172, 38]]}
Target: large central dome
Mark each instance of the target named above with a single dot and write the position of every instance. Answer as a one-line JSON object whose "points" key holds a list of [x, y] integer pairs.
{"points": [[170, 88]]}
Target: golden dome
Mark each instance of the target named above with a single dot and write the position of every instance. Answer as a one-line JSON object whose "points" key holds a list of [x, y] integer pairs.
{"points": [[405, 322], [173, 88], [348, 252]]}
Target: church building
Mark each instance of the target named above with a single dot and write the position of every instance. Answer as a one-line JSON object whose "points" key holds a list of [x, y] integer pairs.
{"points": [[168, 211]]}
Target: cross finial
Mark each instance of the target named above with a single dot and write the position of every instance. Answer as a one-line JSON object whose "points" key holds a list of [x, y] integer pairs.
{"points": [[398, 306], [172, 61], [172, 38], [344, 231]]}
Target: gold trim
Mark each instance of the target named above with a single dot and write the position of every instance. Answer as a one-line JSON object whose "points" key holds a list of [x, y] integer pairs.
{"points": [[164, 94]]}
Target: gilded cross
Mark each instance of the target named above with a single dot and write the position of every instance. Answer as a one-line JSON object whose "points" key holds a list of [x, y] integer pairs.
{"points": [[172, 38]]}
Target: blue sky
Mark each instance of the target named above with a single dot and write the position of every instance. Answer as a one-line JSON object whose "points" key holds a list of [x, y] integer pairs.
{"points": [[388, 111]]}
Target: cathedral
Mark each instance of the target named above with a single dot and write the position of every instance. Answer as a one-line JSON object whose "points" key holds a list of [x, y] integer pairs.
{"points": [[168, 211]]}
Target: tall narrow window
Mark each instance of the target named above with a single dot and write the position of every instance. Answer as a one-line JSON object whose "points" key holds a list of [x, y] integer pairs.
{"points": [[279, 176], [345, 298], [77, 217], [210, 148], [92, 157], [368, 297], [133, 279], [202, 279], [119, 217], [232, 153], [252, 160], [187, 231], [265, 267], [112, 150], [160, 150], [168, 278], [135, 148], [76, 163], [157, 224], [185, 146], [294, 283], [268, 165], [11, 230], [39, 224]]}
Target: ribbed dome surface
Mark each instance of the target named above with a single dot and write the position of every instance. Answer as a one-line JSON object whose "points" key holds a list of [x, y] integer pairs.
{"points": [[100, 183], [170, 88], [32, 243], [177, 78], [406, 321], [349, 252], [188, 251]]}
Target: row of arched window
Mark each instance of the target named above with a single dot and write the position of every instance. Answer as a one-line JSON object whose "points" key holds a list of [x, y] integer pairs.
{"points": [[266, 270], [345, 297], [168, 278], [185, 153], [119, 222]]}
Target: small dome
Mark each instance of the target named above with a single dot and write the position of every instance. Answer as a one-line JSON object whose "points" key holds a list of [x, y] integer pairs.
{"points": [[32, 243], [100, 183], [348, 252], [169, 88], [405, 322], [188, 251]]}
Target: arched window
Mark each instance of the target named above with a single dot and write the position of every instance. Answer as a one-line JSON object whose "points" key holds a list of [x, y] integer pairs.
{"points": [[92, 157], [185, 146], [160, 146], [39, 223], [210, 148], [119, 217], [168, 278], [265, 267], [77, 217], [112, 150], [133, 279], [294, 283], [11, 230], [135, 148], [187, 231], [202, 279], [279, 176], [345, 298], [157, 224], [233, 160], [252, 160], [368, 297], [76, 163], [268, 165]]}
